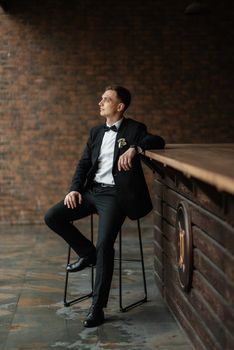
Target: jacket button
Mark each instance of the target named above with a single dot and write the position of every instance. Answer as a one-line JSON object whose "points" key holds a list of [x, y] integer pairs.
{"points": [[115, 174]]}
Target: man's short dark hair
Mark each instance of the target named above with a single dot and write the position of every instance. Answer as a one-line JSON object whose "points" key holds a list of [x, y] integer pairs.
{"points": [[123, 94]]}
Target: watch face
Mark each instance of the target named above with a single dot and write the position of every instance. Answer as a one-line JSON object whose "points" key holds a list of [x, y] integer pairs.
{"points": [[139, 149]]}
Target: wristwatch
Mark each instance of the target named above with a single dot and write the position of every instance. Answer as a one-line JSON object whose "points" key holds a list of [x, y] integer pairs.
{"points": [[138, 149]]}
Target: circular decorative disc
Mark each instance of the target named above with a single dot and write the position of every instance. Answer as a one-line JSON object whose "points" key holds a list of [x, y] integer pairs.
{"points": [[184, 246]]}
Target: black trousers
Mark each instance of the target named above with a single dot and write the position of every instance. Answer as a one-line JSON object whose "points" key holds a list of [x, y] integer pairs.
{"points": [[104, 202]]}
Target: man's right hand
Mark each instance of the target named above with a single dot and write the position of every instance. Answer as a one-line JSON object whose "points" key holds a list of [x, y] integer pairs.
{"points": [[71, 199]]}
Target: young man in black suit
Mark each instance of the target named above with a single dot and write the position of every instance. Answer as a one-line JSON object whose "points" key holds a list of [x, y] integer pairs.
{"points": [[109, 181]]}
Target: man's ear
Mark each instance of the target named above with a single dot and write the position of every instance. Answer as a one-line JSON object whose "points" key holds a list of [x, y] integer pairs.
{"points": [[120, 107]]}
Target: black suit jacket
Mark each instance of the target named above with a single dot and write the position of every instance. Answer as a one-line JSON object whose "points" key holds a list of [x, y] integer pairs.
{"points": [[131, 186]]}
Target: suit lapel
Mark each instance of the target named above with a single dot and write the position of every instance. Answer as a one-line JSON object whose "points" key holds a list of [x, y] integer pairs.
{"points": [[120, 135], [98, 142]]}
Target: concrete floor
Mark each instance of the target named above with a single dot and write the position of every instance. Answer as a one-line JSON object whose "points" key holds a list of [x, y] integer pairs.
{"points": [[32, 314]]}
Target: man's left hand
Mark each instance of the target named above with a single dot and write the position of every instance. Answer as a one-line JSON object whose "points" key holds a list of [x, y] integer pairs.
{"points": [[125, 160]]}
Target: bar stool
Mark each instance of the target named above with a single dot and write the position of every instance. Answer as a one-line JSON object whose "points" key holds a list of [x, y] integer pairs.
{"points": [[120, 260]]}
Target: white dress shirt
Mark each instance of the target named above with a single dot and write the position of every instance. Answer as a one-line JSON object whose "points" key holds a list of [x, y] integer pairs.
{"points": [[106, 156]]}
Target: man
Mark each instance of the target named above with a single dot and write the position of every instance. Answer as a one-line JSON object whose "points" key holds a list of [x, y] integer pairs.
{"points": [[109, 181]]}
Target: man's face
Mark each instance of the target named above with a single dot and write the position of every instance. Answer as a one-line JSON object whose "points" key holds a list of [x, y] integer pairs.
{"points": [[110, 105]]}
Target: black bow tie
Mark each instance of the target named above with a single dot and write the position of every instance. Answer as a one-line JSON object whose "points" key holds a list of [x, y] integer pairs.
{"points": [[108, 128]]}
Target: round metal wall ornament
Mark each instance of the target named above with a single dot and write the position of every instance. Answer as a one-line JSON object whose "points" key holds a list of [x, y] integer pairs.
{"points": [[184, 246]]}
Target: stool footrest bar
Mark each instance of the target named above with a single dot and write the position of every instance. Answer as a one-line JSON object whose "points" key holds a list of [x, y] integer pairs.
{"points": [[131, 306], [77, 300]]}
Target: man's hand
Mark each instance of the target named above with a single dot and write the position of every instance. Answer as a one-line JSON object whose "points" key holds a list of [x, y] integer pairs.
{"points": [[125, 160], [71, 199]]}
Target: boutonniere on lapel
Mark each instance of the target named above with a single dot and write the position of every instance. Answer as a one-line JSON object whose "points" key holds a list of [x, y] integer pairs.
{"points": [[122, 142]]}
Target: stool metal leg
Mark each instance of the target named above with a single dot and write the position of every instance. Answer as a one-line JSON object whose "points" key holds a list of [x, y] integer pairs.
{"points": [[144, 299], [82, 297]]}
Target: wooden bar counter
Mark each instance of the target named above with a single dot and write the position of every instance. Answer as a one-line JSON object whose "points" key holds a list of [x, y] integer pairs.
{"points": [[193, 195]]}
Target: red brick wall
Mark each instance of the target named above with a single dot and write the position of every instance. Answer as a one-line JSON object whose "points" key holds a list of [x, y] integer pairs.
{"points": [[57, 56]]}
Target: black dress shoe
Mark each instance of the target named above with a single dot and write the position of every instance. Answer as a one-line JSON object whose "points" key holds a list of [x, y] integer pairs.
{"points": [[95, 317], [82, 263]]}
